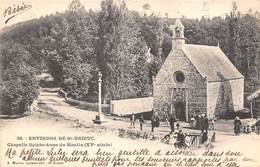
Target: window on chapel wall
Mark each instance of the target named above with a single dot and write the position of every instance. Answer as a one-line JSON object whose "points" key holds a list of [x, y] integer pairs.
{"points": [[179, 76]]}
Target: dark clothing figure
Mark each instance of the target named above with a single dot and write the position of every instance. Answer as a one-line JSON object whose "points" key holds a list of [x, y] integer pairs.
{"points": [[153, 122], [237, 126], [141, 121], [172, 122], [177, 125], [204, 137], [180, 143], [199, 122], [157, 121], [248, 129], [204, 124]]}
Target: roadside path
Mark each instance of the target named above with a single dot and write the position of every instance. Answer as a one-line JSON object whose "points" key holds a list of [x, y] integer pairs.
{"points": [[57, 103]]}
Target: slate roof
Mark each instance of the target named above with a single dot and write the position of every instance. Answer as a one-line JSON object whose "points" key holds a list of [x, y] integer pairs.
{"points": [[211, 62]]}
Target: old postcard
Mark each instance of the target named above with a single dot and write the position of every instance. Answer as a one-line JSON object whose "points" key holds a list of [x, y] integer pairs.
{"points": [[130, 83]]}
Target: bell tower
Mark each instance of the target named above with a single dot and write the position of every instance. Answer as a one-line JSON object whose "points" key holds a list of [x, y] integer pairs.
{"points": [[178, 39]]}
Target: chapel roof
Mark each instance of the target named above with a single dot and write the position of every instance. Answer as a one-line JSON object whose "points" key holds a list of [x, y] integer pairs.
{"points": [[211, 62]]}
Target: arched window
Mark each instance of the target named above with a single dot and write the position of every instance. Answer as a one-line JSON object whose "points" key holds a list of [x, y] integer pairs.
{"points": [[179, 76]]}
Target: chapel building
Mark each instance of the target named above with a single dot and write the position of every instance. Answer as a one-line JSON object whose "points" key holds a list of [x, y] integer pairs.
{"points": [[196, 79]]}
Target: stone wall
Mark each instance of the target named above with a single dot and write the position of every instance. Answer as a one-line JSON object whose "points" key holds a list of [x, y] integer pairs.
{"points": [[225, 96], [167, 90]]}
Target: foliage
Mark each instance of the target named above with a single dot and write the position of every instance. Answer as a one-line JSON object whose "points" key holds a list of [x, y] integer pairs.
{"points": [[72, 46], [152, 31], [70, 58], [18, 86], [120, 50]]}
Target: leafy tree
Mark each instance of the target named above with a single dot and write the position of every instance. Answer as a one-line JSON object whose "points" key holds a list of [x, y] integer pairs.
{"points": [[234, 36], [147, 6], [66, 61], [75, 6], [152, 32], [248, 48], [119, 48], [18, 86]]}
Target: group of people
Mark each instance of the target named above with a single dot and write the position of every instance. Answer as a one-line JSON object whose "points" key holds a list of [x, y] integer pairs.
{"points": [[238, 128], [173, 120], [201, 122], [155, 122], [133, 119]]}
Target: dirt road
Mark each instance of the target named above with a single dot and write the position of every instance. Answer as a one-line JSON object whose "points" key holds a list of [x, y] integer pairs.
{"points": [[63, 124]]}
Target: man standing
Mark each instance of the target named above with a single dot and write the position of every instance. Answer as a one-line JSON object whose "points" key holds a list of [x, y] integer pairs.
{"points": [[172, 122], [141, 121], [199, 122], [153, 122], [205, 123]]}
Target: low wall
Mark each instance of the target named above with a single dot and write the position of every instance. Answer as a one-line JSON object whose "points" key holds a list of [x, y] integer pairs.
{"points": [[129, 106], [87, 106]]}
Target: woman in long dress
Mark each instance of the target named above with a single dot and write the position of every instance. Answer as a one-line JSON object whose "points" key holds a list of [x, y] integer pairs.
{"points": [[237, 126]]}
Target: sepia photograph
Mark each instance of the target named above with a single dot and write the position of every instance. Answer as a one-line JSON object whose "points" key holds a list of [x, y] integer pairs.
{"points": [[130, 83]]}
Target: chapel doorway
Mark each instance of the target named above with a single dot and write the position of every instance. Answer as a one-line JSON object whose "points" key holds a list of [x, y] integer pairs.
{"points": [[180, 110]]}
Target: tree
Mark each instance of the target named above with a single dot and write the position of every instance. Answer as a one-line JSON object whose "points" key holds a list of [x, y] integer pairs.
{"points": [[67, 62], [75, 6], [249, 50], [234, 36], [119, 48], [18, 86], [152, 32], [147, 6]]}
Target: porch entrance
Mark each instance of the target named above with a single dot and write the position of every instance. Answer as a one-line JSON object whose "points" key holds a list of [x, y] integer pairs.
{"points": [[180, 110], [179, 107]]}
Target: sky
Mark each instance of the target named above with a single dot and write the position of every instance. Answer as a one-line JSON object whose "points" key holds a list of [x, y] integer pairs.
{"points": [[188, 8]]}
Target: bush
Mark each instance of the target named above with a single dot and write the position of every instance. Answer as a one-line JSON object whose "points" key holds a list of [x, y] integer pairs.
{"points": [[18, 93]]}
